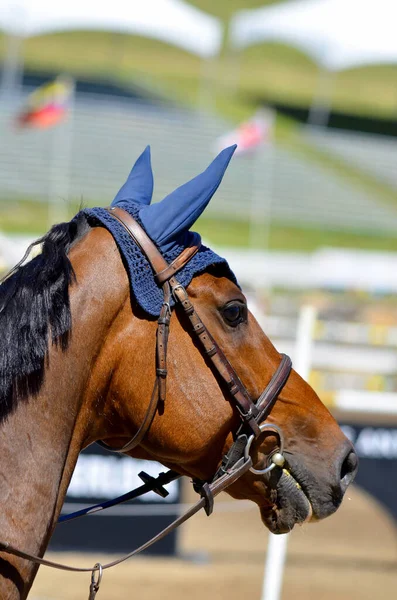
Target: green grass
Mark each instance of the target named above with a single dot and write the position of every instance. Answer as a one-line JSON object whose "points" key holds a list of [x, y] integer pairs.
{"points": [[23, 217], [226, 8], [32, 218], [285, 237]]}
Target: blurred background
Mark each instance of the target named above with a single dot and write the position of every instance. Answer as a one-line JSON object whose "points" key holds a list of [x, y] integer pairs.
{"points": [[307, 217]]}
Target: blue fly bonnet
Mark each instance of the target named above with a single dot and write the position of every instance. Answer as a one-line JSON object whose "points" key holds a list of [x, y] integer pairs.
{"points": [[167, 223]]}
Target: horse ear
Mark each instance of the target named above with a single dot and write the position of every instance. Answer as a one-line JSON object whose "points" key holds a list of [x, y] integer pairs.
{"points": [[139, 185], [167, 220]]}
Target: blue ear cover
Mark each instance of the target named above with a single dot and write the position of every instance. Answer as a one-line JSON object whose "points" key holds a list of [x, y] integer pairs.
{"points": [[166, 221], [139, 185]]}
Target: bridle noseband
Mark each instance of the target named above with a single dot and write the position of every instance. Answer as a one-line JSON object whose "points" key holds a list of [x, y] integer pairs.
{"points": [[252, 414]]}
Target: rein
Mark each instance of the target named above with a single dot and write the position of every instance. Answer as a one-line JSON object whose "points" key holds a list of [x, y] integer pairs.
{"points": [[238, 460]]}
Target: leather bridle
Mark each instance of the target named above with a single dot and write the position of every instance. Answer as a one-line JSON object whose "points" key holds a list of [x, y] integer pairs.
{"points": [[252, 413]]}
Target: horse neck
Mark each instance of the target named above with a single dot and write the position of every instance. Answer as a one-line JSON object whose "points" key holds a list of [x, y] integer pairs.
{"points": [[41, 440]]}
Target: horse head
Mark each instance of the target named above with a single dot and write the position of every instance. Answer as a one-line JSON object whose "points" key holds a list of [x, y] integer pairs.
{"points": [[197, 423]]}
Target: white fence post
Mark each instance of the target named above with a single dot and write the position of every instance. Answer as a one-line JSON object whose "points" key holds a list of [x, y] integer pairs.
{"points": [[277, 547]]}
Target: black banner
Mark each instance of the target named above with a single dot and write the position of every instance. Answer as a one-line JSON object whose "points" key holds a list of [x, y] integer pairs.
{"points": [[100, 476], [377, 450]]}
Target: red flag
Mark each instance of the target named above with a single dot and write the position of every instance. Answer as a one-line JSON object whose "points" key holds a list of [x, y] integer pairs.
{"points": [[252, 134], [47, 105]]}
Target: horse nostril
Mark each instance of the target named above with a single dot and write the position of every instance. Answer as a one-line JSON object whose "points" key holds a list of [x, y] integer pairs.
{"points": [[348, 469]]}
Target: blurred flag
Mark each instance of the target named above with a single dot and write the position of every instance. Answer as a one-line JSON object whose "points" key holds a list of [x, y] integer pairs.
{"points": [[47, 105], [250, 135]]}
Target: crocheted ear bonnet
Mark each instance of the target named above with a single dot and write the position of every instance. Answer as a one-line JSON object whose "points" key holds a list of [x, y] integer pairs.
{"points": [[167, 223]]}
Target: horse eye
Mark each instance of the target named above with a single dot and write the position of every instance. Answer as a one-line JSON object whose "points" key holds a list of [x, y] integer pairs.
{"points": [[234, 313]]}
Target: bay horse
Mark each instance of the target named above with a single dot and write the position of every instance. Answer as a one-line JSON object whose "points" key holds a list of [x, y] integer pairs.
{"points": [[79, 363]]}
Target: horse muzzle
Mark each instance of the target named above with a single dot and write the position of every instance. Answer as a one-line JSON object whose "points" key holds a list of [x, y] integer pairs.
{"points": [[300, 494]]}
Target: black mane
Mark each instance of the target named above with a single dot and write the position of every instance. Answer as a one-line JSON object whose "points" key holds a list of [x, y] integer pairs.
{"points": [[34, 309]]}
